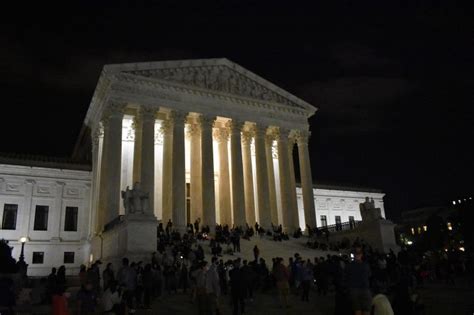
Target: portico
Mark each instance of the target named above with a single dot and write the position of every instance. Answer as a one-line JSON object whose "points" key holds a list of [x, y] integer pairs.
{"points": [[205, 138]]}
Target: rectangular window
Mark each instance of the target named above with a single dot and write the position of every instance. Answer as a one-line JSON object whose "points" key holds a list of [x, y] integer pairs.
{"points": [[9, 216], [324, 220], [351, 218], [68, 257], [41, 218], [38, 257], [70, 222], [338, 223]]}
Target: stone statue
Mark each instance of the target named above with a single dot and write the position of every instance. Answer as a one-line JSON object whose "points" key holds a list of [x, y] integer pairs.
{"points": [[135, 200], [368, 211]]}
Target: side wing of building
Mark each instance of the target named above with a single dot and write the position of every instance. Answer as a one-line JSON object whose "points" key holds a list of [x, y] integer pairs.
{"points": [[51, 208]]}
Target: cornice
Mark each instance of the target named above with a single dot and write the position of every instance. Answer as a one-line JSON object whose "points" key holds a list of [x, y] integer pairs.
{"points": [[166, 90], [212, 73]]}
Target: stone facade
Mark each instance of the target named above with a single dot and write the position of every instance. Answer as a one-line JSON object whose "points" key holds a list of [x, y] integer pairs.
{"points": [[31, 189], [205, 138]]}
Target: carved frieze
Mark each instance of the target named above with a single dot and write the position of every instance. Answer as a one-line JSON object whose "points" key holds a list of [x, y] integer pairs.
{"points": [[219, 78]]}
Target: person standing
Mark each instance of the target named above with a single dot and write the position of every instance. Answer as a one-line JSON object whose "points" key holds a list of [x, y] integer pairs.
{"points": [[201, 295], [306, 278], [358, 273], [212, 287], [256, 252], [237, 288], [108, 276], [282, 277], [127, 278]]}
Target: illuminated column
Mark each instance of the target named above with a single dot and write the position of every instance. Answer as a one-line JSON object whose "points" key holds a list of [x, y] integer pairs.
{"points": [[248, 178], [178, 173], [292, 191], [102, 207], [271, 178], [238, 200], [306, 181], [207, 172], [196, 188], [147, 165], [113, 159], [167, 191], [222, 137], [284, 171], [97, 135], [264, 216], [137, 145]]}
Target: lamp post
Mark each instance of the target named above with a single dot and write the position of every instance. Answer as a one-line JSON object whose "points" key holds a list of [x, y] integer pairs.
{"points": [[22, 254], [22, 265]]}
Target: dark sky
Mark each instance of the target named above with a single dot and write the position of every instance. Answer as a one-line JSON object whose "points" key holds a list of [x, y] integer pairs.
{"points": [[394, 84]]}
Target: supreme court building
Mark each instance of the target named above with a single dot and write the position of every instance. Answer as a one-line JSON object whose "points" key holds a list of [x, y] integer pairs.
{"points": [[205, 138]]}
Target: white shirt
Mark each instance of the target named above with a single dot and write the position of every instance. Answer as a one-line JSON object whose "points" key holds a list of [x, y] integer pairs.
{"points": [[109, 299], [381, 305]]}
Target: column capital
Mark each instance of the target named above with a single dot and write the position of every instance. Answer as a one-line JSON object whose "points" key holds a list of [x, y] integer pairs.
{"points": [[247, 136], [282, 134], [260, 130], [166, 126], [146, 113], [221, 135], [194, 129], [302, 137], [207, 121], [114, 108], [97, 133], [235, 125], [271, 135], [291, 139], [178, 117]]}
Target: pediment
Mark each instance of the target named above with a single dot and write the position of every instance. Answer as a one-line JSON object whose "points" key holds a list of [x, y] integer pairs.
{"points": [[219, 75]]}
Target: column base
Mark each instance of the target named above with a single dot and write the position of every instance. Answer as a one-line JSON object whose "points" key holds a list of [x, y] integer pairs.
{"points": [[132, 236]]}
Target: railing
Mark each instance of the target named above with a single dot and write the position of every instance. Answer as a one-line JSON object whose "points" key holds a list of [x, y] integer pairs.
{"points": [[113, 223], [344, 226]]}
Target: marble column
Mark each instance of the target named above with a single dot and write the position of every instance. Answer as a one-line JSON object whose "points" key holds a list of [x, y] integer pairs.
{"points": [[271, 178], [147, 155], [96, 167], [283, 167], [195, 184], [137, 151], [222, 137], [306, 181], [292, 191], [167, 191], [238, 200], [207, 172], [178, 173], [102, 206], [263, 198], [248, 178], [113, 159]]}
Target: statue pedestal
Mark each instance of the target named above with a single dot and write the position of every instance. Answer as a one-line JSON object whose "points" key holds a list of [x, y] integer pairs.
{"points": [[133, 236]]}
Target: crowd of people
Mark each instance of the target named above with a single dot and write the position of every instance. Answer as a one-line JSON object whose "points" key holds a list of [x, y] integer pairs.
{"points": [[362, 280]]}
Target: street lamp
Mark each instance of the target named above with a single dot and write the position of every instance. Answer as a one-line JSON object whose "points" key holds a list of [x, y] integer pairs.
{"points": [[22, 254]]}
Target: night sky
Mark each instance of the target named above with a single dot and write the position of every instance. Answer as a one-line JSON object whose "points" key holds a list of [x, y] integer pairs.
{"points": [[394, 84]]}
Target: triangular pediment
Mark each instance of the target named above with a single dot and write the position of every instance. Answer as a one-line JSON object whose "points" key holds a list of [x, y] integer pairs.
{"points": [[220, 75]]}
